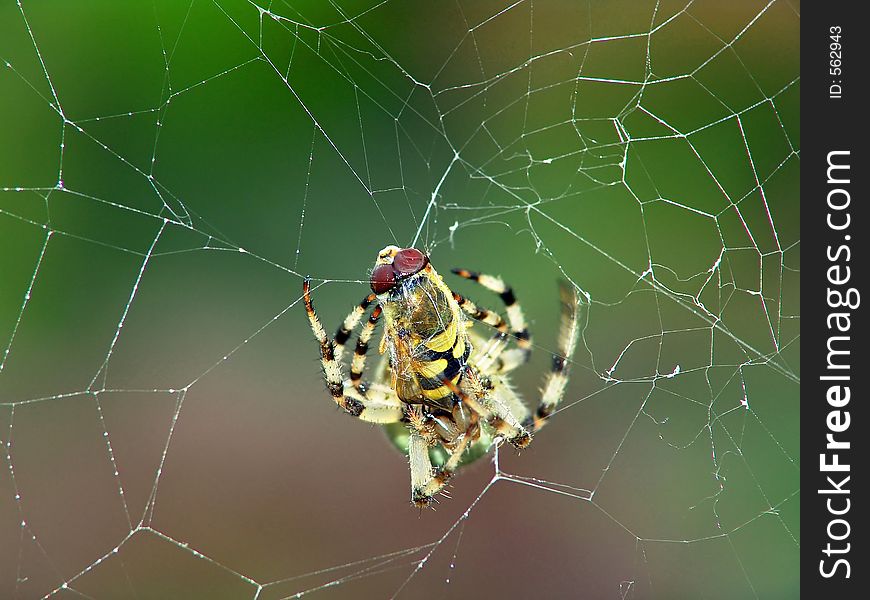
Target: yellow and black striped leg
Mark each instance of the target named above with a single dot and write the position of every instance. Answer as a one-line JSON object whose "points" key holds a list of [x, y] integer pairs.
{"points": [[362, 346], [495, 350], [379, 404], [507, 402], [557, 379], [489, 317], [331, 367], [496, 414], [383, 409], [490, 357], [344, 331], [518, 328], [426, 481], [442, 474]]}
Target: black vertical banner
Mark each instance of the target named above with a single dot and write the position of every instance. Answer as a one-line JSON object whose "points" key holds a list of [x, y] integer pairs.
{"points": [[835, 263]]}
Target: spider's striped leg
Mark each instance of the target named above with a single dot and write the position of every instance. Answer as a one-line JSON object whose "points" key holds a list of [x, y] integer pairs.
{"points": [[426, 481], [496, 358], [442, 475], [501, 421], [389, 409], [495, 353], [380, 404], [557, 379], [496, 414], [362, 346], [342, 334], [515, 316], [504, 396], [421, 470], [491, 318]]}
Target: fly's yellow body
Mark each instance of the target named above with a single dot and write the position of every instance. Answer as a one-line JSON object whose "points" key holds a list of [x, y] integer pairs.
{"points": [[425, 339]]}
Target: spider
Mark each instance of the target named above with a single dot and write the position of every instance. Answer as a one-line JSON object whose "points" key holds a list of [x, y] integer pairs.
{"points": [[442, 391]]}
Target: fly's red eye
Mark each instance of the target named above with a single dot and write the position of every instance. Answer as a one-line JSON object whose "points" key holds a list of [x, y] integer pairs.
{"points": [[383, 279], [409, 261]]}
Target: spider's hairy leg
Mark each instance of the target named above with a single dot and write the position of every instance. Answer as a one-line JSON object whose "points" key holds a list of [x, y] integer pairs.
{"points": [[494, 413], [426, 481], [344, 331], [507, 403], [557, 379], [421, 470], [389, 409], [380, 404], [362, 346], [519, 329], [489, 317], [505, 360], [496, 358]]}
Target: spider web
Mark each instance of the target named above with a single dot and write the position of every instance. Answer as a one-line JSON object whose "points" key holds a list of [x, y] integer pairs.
{"points": [[170, 171]]}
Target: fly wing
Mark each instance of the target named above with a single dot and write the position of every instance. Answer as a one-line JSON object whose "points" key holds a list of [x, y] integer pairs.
{"points": [[410, 377], [404, 379], [426, 327]]}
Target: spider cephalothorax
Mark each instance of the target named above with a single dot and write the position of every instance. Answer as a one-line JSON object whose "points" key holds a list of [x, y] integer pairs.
{"points": [[442, 391]]}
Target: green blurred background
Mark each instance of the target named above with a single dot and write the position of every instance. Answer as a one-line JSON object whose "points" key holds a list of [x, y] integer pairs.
{"points": [[170, 171]]}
